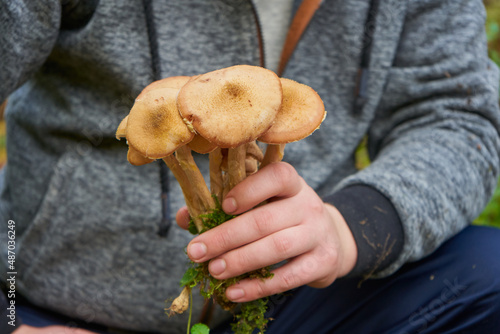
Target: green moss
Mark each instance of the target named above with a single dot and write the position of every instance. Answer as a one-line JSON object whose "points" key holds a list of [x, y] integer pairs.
{"points": [[216, 217], [252, 314], [251, 317]]}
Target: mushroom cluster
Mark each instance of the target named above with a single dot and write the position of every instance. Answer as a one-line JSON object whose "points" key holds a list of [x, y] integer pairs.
{"points": [[222, 113]]}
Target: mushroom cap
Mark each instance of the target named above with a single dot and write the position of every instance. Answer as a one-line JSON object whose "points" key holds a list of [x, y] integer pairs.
{"points": [[231, 106], [301, 113], [170, 82], [121, 131], [201, 145], [137, 159], [154, 127]]}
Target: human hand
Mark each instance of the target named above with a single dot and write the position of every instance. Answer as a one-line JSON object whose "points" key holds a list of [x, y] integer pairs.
{"points": [[295, 225], [25, 329]]}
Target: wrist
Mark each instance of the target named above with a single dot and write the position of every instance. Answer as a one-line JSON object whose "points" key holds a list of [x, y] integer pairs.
{"points": [[348, 250]]}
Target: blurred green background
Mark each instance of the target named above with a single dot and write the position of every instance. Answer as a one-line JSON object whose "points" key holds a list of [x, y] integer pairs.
{"points": [[491, 214]]}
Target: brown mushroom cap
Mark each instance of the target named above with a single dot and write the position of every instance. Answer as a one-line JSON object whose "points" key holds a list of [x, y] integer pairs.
{"points": [[201, 145], [170, 82], [121, 131], [301, 113], [137, 159], [198, 144], [231, 106], [154, 127]]}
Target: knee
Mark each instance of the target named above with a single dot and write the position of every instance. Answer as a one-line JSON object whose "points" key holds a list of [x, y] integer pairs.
{"points": [[477, 250]]}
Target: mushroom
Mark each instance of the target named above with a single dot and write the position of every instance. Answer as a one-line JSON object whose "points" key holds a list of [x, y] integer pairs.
{"points": [[170, 82], [222, 113], [300, 115], [198, 144], [154, 127], [155, 130], [231, 107]]}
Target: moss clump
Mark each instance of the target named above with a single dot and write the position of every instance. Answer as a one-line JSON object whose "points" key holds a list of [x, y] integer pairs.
{"points": [[211, 219], [251, 317]]}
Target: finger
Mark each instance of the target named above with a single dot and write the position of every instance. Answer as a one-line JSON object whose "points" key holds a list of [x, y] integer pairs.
{"points": [[298, 272], [182, 218], [242, 230], [275, 180], [270, 250]]}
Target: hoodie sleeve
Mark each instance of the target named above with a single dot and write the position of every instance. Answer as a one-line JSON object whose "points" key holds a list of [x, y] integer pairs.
{"points": [[28, 32], [435, 141]]}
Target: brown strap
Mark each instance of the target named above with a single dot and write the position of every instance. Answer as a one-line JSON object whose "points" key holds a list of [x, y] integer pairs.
{"points": [[299, 24], [2, 109]]}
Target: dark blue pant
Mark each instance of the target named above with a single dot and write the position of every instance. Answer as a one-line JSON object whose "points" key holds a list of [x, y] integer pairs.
{"points": [[455, 290]]}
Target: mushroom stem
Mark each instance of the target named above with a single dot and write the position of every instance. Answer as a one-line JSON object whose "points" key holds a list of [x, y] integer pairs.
{"points": [[193, 202], [188, 165], [215, 163], [236, 166], [253, 158], [253, 150], [274, 153], [251, 165]]}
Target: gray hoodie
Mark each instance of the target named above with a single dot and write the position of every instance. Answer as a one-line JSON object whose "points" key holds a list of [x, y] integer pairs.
{"points": [[87, 221]]}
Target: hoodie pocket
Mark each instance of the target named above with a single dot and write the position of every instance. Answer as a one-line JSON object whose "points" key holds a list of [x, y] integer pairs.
{"points": [[93, 251], [43, 229]]}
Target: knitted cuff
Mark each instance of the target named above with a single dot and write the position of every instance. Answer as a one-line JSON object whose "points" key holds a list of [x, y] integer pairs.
{"points": [[375, 225]]}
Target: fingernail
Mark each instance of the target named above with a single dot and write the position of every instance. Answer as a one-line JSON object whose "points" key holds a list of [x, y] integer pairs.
{"points": [[197, 250], [235, 294], [229, 205], [217, 266]]}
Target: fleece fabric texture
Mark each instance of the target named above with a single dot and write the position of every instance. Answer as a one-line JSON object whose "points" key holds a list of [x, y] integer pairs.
{"points": [[87, 221]]}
